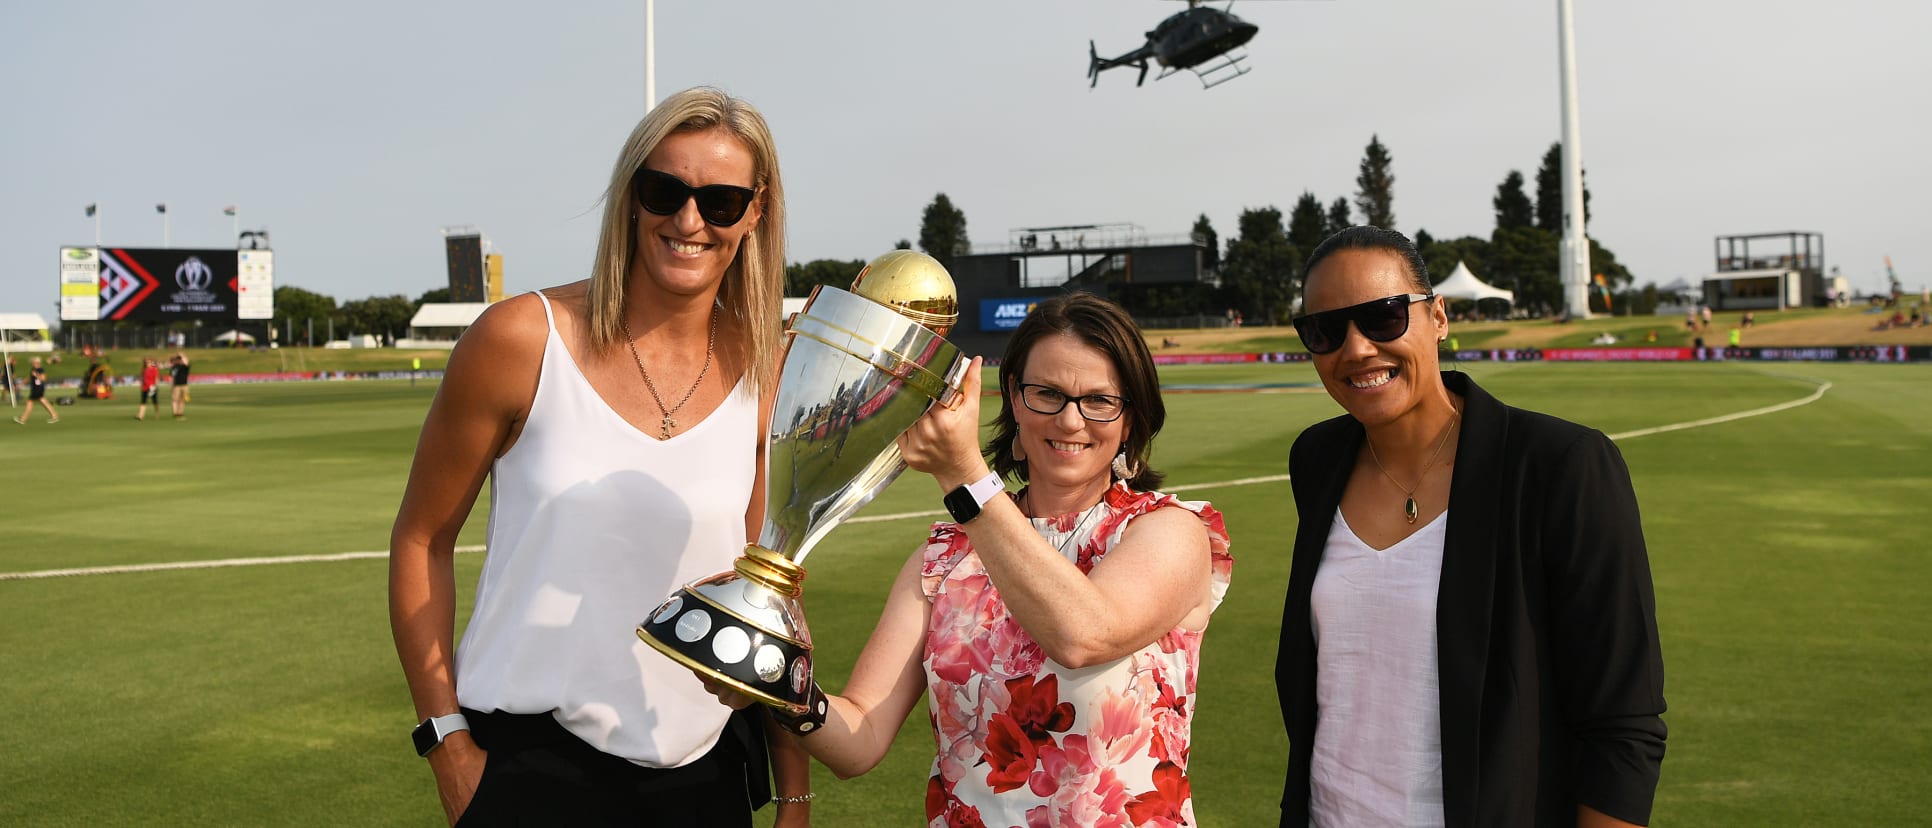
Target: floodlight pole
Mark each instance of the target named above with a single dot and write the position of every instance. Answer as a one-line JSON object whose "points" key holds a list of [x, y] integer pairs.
{"points": [[650, 55], [1574, 258]]}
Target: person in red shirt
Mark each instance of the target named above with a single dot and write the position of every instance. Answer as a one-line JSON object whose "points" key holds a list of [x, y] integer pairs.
{"points": [[150, 377]]}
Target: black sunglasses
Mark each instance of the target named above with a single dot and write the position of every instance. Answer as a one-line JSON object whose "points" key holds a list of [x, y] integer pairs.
{"points": [[664, 194], [1381, 320]]}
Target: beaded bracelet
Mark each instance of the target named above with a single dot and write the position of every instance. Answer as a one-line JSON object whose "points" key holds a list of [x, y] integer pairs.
{"points": [[796, 800]]}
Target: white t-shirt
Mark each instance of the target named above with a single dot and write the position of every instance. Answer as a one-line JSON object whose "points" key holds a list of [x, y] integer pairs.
{"points": [[1378, 730]]}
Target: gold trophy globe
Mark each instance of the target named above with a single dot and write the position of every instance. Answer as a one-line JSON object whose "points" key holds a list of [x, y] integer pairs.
{"points": [[862, 367]]}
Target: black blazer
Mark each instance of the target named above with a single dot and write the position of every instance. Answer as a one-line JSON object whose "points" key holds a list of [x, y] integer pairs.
{"points": [[1552, 681]]}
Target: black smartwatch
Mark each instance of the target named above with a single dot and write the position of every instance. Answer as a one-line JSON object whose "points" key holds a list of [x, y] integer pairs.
{"points": [[965, 502], [430, 734]]}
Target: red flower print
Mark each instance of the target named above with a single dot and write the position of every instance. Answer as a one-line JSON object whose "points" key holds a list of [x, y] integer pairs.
{"points": [[935, 799], [1163, 805], [1010, 754], [1036, 706]]}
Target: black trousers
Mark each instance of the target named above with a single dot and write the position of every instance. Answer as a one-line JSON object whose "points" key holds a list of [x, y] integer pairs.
{"points": [[538, 773]]}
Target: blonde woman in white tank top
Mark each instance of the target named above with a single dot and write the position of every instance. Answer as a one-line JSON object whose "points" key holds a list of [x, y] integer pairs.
{"points": [[621, 422]]}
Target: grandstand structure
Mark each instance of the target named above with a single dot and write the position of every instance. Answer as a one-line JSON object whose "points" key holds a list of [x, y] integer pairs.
{"points": [[997, 284]]}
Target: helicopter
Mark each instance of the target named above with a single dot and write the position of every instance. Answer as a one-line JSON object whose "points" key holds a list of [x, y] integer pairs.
{"points": [[1204, 40]]}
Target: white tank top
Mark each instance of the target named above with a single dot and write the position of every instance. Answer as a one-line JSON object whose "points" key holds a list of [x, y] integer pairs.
{"points": [[1378, 726], [592, 525]]}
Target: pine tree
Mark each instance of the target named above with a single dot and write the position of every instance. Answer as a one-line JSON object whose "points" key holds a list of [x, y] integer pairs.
{"points": [[1204, 233], [1513, 208], [1549, 192], [942, 230], [1259, 277], [1306, 224], [1375, 186], [1338, 218]]}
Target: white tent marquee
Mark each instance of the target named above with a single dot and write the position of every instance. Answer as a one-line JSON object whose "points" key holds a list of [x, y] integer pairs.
{"points": [[24, 332], [1463, 284]]}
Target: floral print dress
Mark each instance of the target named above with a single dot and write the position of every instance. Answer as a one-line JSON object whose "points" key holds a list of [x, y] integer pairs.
{"points": [[1025, 741]]}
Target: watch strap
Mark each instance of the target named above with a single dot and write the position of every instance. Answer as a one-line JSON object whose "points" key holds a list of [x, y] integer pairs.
{"points": [[430, 734], [965, 502]]}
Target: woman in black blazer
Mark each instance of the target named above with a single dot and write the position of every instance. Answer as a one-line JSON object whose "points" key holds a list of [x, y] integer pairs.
{"points": [[1537, 642]]}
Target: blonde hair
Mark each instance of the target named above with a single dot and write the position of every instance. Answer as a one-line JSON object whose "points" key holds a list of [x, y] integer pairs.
{"points": [[755, 280]]}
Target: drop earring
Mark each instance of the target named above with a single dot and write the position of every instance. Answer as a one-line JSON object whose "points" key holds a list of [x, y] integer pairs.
{"points": [[1123, 469]]}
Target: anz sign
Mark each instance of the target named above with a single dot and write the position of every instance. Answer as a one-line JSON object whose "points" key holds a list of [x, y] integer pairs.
{"points": [[1003, 314]]}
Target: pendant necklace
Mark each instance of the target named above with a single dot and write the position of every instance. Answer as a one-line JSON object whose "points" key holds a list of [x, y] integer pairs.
{"points": [[1071, 537], [1408, 505], [711, 339]]}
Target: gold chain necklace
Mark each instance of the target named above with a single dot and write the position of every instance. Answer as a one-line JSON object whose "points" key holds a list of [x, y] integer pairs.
{"points": [[1408, 506], [710, 340]]}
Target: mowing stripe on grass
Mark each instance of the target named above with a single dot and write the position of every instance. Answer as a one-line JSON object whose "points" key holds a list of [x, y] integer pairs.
{"points": [[1245, 481]]}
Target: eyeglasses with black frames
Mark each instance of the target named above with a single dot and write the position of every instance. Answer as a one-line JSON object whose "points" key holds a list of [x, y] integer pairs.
{"points": [[1097, 408], [1381, 320], [721, 205]]}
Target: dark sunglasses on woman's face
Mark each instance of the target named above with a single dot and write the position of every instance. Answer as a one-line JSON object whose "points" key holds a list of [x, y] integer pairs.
{"points": [[664, 194], [1381, 320]]}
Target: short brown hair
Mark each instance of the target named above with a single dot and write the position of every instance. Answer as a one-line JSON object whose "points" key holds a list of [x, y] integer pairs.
{"points": [[1107, 328]]}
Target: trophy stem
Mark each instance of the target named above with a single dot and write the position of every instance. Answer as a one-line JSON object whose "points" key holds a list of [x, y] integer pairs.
{"points": [[770, 570]]}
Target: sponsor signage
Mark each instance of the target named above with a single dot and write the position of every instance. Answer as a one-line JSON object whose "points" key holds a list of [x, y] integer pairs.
{"points": [[1003, 314], [167, 284], [80, 284], [1617, 354], [255, 284]]}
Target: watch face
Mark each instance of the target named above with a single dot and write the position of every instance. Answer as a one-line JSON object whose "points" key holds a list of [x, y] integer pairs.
{"points": [[425, 738], [961, 504]]}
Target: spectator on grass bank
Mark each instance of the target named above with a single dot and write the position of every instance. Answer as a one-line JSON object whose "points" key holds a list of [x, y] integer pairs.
{"points": [[178, 374], [150, 393], [1469, 636], [37, 393], [1055, 632], [606, 497]]}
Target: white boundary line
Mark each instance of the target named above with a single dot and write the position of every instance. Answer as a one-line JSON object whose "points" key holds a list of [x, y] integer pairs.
{"points": [[217, 564], [1769, 409], [1245, 481]]}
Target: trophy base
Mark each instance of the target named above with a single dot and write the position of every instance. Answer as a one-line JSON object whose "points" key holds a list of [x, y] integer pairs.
{"points": [[743, 629]]}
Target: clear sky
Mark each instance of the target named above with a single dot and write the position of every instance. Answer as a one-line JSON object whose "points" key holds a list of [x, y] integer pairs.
{"points": [[354, 130]]}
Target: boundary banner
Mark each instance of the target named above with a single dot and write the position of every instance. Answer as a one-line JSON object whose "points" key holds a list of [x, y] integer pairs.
{"points": [[1617, 354], [1809, 353]]}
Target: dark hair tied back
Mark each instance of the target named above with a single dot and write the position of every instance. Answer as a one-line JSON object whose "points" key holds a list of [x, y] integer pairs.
{"points": [[1365, 237]]}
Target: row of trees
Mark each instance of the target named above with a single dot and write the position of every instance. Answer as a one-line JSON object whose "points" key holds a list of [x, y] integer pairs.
{"points": [[1259, 270], [385, 317], [1259, 274]]}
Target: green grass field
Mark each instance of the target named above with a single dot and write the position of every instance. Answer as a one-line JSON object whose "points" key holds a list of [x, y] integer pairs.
{"points": [[1790, 555]]}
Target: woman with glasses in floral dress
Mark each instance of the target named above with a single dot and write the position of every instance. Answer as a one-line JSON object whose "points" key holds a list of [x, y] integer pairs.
{"points": [[1056, 631]]}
